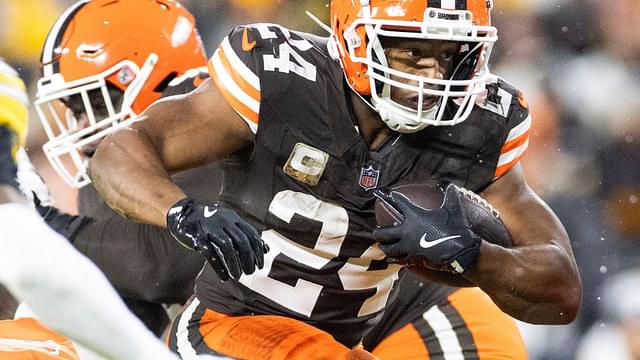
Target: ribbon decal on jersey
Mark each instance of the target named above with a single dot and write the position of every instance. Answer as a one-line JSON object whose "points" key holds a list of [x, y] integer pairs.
{"points": [[369, 177]]}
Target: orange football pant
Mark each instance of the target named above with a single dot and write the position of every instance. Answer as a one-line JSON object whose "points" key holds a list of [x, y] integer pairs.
{"points": [[474, 328], [29, 339], [198, 330]]}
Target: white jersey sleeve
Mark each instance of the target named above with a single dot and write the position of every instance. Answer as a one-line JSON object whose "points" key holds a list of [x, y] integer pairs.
{"points": [[67, 291]]}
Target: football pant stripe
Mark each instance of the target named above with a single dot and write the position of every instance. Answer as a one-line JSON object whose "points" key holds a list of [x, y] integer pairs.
{"points": [[467, 345], [197, 340], [239, 65], [238, 78], [447, 337], [405, 343], [430, 340], [249, 115], [494, 333], [171, 340], [189, 340], [183, 343]]}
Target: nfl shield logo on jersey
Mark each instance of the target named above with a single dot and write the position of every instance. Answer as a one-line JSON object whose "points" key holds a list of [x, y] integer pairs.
{"points": [[369, 177]]}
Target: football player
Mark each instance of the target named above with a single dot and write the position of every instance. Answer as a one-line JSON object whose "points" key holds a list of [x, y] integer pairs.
{"points": [[102, 66], [38, 266], [307, 129], [105, 237]]}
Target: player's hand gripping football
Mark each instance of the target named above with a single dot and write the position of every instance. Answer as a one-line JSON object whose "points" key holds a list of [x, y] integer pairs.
{"points": [[441, 238], [230, 244]]}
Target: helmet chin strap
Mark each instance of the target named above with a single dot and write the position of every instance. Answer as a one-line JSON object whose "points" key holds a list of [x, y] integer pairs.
{"points": [[398, 122]]}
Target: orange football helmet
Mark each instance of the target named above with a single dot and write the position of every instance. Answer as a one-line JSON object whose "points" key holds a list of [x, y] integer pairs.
{"points": [[357, 25], [124, 52]]}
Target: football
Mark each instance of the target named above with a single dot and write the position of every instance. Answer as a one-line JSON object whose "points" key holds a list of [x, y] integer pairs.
{"points": [[427, 195], [483, 218]]}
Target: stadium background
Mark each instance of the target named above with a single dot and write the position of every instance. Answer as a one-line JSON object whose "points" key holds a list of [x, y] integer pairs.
{"points": [[578, 63]]}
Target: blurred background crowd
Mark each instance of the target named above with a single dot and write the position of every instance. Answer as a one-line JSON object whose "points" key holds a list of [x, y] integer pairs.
{"points": [[578, 64]]}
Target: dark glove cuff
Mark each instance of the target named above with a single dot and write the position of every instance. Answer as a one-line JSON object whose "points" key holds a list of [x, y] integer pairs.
{"points": [[467, 259], [177, 213], [177, 222]]}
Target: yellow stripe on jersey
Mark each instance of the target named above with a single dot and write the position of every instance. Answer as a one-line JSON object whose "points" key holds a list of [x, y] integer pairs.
{"points": [[13, 104], [237, 83], [12, 81]]}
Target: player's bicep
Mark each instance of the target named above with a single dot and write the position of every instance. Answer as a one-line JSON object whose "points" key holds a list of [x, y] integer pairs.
{"points": [[528, 218], [193, 129]]}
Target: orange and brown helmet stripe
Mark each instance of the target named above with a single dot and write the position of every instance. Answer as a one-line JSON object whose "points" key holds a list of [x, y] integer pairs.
{"points": [[52, 47]]}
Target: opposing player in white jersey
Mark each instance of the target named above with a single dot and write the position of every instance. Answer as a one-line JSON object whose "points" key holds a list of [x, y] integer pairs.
{"points": [[41, 268]]}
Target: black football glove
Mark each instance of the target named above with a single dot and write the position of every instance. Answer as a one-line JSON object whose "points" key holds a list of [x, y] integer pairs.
{"points": [[441, 238], [64, 224], [230, 244]]}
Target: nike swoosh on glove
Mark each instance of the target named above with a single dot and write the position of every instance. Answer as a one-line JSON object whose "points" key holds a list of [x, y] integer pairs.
{"points": [[440, 239]]}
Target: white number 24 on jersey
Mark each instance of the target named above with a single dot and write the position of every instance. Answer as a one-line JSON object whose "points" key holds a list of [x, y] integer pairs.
{"points": [[354, 274], [288, 59]]}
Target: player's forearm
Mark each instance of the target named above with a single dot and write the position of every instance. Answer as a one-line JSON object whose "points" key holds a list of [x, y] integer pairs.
{"points": [[66, 290], [128, 173], [536, 284]]}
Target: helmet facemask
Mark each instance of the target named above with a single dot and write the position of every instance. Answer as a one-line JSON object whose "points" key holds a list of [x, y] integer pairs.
{"points": [[79, 114], [439, 101]]}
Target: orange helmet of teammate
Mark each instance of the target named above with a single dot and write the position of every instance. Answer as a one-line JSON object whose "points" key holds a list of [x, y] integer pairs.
{"points": [[358, 25], [106, 61]]}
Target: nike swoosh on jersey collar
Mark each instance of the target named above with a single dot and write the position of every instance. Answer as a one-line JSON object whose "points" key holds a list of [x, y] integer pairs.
{"points": [[427, 244]]}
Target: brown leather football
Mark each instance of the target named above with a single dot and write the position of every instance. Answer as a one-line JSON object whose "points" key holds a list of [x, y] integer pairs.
{"points": [[483, 217], [427, 195]]}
